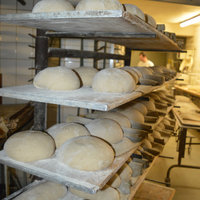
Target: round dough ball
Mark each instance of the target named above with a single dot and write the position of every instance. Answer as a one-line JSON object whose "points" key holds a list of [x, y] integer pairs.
{"points": [[125, 172], [44, 191], [29, 146], [149, 104], [116, 116], [147, 144], [115, 181], [108, 193], [86, 75], [113, 80], [107, 129], [99, 5], [63, 132], [132, 73], [156, 134], [52, 6], [57, 78], [134, 10], [133, 115], [140, 107], [86, 153], [123, 146]]}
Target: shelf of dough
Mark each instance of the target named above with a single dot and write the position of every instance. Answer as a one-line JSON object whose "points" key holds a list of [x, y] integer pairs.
{"points": [[82, 98], [113, 26], [52, 170]]}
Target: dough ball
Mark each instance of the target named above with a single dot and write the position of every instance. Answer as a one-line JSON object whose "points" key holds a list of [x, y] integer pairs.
{"points": [[44, 191], [140, 107], [149, 104], [132, 73], [116, 116], [150, 20], [108, 193], [133, 115], [107, 129], [29, 146], [125, 172], [134, 180], [57, 78], [52, 6], [147, 144], [115, 181], [156, 134], [86, 75], [63, 132], [134, 10], [123, 146], [86, 153], [99, 5], [125, 187], [113, 80]]}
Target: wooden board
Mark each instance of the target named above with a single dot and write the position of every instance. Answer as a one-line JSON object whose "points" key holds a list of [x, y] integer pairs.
{"points": [[189, 91], [113, 26], [83, 97], [52, 170], [152, 191]]}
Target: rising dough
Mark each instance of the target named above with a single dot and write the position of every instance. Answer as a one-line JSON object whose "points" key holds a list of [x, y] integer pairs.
{"points": [[44, 191], [52, 6], [115, 181], [29, 146], [140, 107], [108, 193], [57, 78], [86, 75], [86, 153], [116, 116], [63, 132], [107, 129], [113, 80], [123, 146], [99, 5]]}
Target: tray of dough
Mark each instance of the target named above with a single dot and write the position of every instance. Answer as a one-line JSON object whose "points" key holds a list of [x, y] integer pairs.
{"points": [[115, 26], [52, 170], [82, 98]]}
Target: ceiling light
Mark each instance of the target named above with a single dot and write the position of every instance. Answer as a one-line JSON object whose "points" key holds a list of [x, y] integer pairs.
{"points": [[191, 21]]}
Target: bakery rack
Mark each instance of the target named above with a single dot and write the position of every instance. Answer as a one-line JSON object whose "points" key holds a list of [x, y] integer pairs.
{"points": [[117, 27]]}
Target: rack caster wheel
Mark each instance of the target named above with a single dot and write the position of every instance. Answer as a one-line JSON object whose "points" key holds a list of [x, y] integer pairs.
{"points": [[167, 182]]}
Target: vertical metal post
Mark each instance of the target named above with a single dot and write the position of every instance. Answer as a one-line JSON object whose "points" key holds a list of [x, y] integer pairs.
{"points": [[128, 61], [104, 60], [95, 65], [41, 62], [182, 141]]}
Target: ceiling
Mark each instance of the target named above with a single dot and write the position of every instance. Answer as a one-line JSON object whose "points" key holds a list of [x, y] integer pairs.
{"points": [[170, 14]]}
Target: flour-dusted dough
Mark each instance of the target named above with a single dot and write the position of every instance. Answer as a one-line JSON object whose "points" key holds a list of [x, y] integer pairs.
{"points": [[115, 181], [86, 75], [99, 5], [140, 107], [44, 191], [147, 144], [116, 116], [123, 146], [108, 193], [107, 129], [113, 80], [65, 131], [125, 172], [52, 6], [150, 105], [86, 153], [150, 20], [57, 78], [125, 187], [156, 134], [134, 10], [29, 146], [132, 73]]}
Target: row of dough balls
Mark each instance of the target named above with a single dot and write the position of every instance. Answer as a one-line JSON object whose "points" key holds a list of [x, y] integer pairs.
{"points": [[101, 139], [84, 5], [118, 188], [111, 80]]}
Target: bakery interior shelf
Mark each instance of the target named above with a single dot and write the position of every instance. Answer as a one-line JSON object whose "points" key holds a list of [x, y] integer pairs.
{"points": [[52, 170], [113, 26], [82, 98]]}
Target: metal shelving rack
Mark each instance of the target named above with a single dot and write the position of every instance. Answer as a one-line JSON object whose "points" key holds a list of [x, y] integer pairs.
{"points": [[117, 27]]}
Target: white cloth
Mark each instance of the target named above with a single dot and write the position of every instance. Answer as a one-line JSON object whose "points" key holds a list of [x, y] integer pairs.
{"points": [[146, 64]]}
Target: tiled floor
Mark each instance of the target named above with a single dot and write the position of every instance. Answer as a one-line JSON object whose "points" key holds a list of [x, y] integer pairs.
{"points": [[185, 181]]}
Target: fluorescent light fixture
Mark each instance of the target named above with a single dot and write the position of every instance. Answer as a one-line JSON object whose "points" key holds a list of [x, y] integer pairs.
{"points": [[191, 21]]}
